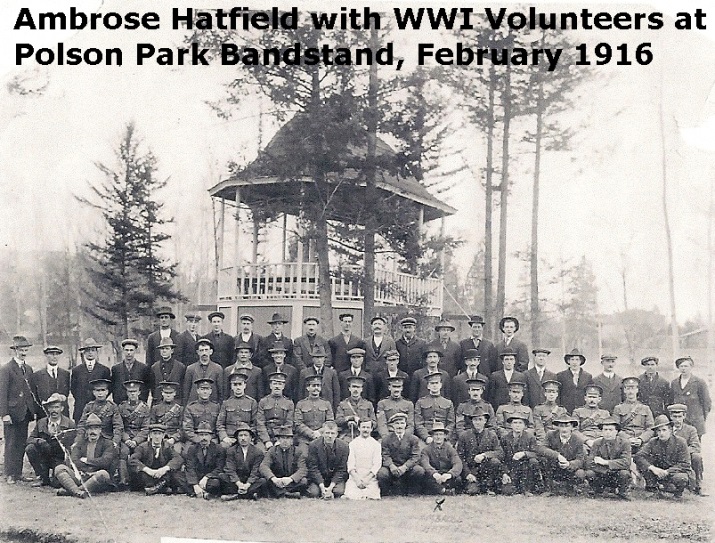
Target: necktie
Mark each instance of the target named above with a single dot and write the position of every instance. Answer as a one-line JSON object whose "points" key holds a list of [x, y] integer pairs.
{"points": [[53, 373], [24, 371]]}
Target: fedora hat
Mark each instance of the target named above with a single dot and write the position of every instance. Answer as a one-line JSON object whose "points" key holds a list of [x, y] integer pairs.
{"points": [[19, 342], [444, 324], [166, 342], [577, 353], [56, 397], [661, 420], [89, 343], [508, 318], [165, 310], [276, 318], [476, 319]]}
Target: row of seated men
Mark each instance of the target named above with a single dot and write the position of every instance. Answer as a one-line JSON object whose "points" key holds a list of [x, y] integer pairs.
{"points": [[483, 462], [128, 425]]}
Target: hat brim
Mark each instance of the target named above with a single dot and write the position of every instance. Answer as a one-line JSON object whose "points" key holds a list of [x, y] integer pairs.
{"points": [[171, 315], [583, 358], [166, 345], [505, 319]]}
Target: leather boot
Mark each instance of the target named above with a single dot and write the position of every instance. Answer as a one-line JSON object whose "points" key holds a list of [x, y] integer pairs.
{"points": [[97, 483], [151, 490], [68, 484]]}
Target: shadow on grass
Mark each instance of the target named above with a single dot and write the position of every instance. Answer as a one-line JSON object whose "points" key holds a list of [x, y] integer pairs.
{"points": [[27, 535]]}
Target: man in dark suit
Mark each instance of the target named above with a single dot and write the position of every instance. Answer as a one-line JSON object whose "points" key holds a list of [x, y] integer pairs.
{"points": [[498, 386], [489, 360], [255, 385], [401, 472], [536, 376], [205, 463], [129, 369], [17, 407], [357, 359], [166, 368], [277, 323], [246, 335], [186, 344], [327, 464], [451, 351], [562, 455], [49, 380], [382, 379], [82, 375], [331, 385], [343, 342], [377, 345], [653, 390], [278, 354], [284, 466], [165, 316], [460, 388], [410, 347], [241, 477], [573, 381], [432, 364], [303, 345], [610, 384], [223, 343], [205, 368], [509, 327], [156, 466]]}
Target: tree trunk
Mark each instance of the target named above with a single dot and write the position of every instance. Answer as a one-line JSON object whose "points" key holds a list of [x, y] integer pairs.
{"points": [[488, 302], [534, 254], [504, 189], [370, 192]]}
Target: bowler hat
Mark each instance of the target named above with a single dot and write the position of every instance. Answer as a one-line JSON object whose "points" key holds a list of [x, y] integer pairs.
{"points": [[471, 353], [243, 427], [20, 341], [276, 318], [166, 342], [93, 421], [216, 314], [89, 343], [165, 310], [575, 352], [661, 420], [52, 349], [55, 397], [512, 319], [476, 319], [130, 341]]}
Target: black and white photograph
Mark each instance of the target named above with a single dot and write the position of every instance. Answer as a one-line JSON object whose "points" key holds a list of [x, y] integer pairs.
{"points": [[356, 271]]}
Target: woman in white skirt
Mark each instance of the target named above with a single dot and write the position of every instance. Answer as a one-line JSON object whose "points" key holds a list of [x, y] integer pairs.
{"points": [[364, 461]]}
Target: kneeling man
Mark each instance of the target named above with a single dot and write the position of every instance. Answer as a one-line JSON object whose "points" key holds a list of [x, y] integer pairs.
{"points": [[664, 461], [609, 461], [156, 466]]}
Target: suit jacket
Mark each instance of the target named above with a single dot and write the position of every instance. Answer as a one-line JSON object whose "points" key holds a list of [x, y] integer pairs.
{"points": [[15, 392], [572, 396], [572, 450], [224, 348], [488, 360], [301, 351], [255, 386], [143, 456], [195, 371], [254, 340], [185, 350], [419, 385], [105, 454], [655, 394], [498, 390], [291, 464], [617, 452], [690, 435], [327, 467], [534, 394], [410, 353], [331, 385], [612, 392], [696, 396], [152, 345], [339, 350], [460, 390], [158, 373], [41, 432], [197, 467], [374, 361], [511, 445], [268, 342], [43, 386], [382, 385], [120, 374], [522, 353], [368, 390], [400, 452], [80, 387], [292, 378], [243, 468], [671, 455], [451, 356]]}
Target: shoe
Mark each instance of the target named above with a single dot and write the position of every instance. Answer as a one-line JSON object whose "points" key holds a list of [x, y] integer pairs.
{"points": [[39, 483], [229, 497], [254, 496], [11, 480], [625, 496], [63, 492], [293, 495], [491, 493], [152, 490]]}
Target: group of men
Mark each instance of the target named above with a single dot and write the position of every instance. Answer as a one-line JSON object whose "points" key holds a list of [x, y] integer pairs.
{"points": [[249, 416]]}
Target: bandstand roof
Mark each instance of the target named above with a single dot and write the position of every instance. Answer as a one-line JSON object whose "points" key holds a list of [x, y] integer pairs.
{"points": [[260, 182]]}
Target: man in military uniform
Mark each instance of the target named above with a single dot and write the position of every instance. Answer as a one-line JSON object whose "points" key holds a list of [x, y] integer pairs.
{"points": [[590, 415], [634, 417], [200, 410], [186, 343], [545, 413], [504, 412], [106, 410], [50, 439], [168, 412], [432, 409], [222, 344], [166, 368], [284, 466], [653, 390], [312, 412], [129, 369], [205, 463], [50, 380], [664, 460], [81, 375], [241, 478], [327, 462], [86, 472], [610, 383], [562, 455], [432, 364], [205, 368], [331, 385], [521, 459], [475, 401], [401, 472], [382, 378], [353, 409], [442, 465], [481, 454], [303, 345], [156, 466], [279, 365], [135, 419], [536, 376], [677, 414], [165, 316], [357, 360], [238, 408], [274, 410], [409, 347], [393, 404], [254, 375], [609, 461]]}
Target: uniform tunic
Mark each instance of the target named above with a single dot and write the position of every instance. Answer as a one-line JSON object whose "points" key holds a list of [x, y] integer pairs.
{"points": [[196, 412], [351, 411], [112, 424], [273, 412], [388, 407], [233, 411], [431, 409], [310, 414], [136, 420], [507, 410], [365, 457], [168, 414], [636, 420], [588, 420], [471, 443], [544, 416], [469, 407]]}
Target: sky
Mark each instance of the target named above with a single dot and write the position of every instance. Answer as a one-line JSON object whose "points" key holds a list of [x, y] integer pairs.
{"points": [[601, 200]]}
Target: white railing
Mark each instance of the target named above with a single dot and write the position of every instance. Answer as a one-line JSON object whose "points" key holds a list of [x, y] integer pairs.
{"points": [[292, 280]]}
